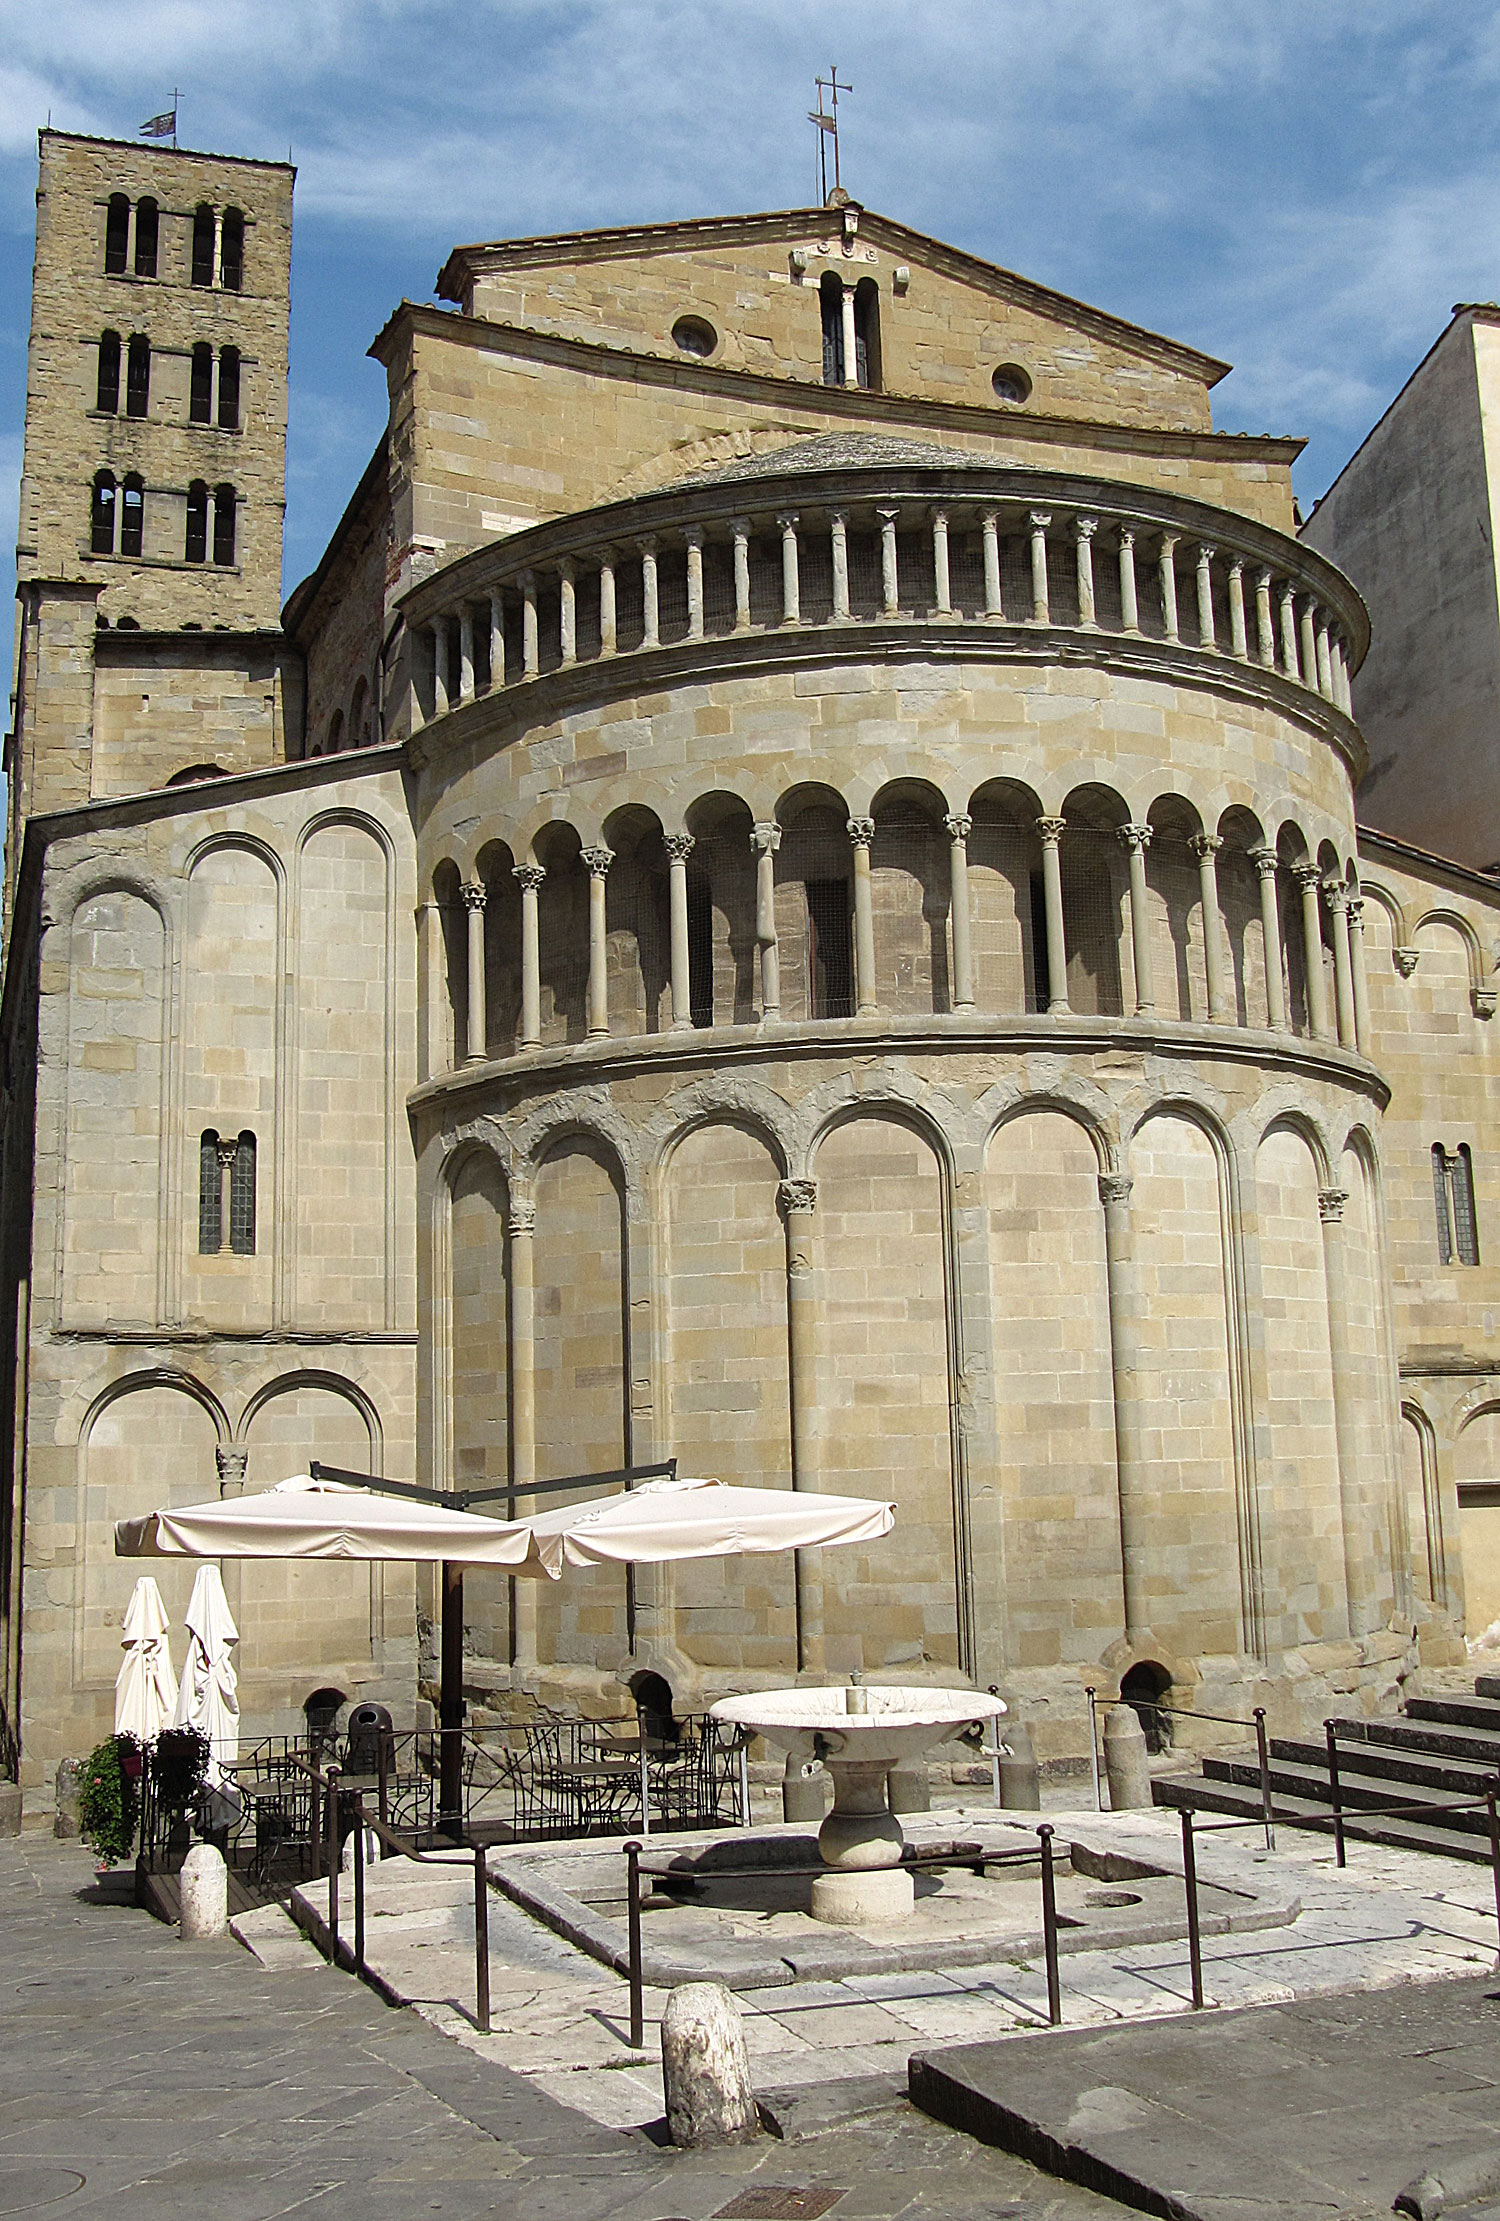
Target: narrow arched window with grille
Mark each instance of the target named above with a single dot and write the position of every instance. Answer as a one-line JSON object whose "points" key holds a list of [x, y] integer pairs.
{"points": [[116, 236], [831, 307], [132, 515], [102, 514], [138, 375], [242, 1197], [224, 524], [195, 544], [203, 244], [1453, 1196], [867, 334], [107, 392], [232, 250], [229, 389], [226, 1194], [201, 385], [210, 1196], [147, 224]]}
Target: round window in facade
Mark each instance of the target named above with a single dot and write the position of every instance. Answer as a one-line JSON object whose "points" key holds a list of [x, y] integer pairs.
{"points": [[694, 336], [1010, 383]]}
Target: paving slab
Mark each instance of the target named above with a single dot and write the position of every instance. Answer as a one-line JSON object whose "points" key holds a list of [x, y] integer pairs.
{"points": [[1327, 2107]]}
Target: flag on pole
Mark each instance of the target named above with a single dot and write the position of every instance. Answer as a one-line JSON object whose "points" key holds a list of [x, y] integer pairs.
{"points": [[824, 123], [163, 126]]}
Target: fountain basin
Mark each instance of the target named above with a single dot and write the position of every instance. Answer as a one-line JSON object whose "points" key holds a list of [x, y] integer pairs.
{"points": [[860, 1732]]}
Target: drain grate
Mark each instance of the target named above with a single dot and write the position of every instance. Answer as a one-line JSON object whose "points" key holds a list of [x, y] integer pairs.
{"points": [[777, 2203]]}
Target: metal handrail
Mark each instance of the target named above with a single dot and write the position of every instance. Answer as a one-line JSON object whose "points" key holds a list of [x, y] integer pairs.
{"points": [[1098, 1704]]}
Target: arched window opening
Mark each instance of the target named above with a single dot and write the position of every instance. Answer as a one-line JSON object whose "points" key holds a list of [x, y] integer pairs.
{"points": [[831, 944], [102, 515], [1145, 1690], [1453, 1194], [210, 1196], [201, 390], [700, 908], [867, 334], [132, 516], [321, 1711], [195, 545], [653, 1705], [335, 740], [226, 1194], [107, 396], [229, 389], [147, 224], [138, 375], [242, 1197], [116, 236], [224, 524], [203, 245], [359, 715], [1041, 954], [831, 304], [232, 250]]}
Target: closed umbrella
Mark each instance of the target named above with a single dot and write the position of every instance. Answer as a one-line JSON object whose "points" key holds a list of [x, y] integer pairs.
{"points": [[207, 1698], [145, 1687]]}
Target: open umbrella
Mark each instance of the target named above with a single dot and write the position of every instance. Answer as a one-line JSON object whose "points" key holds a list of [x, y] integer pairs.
{"points": [[206, 1699], [145, 1687], [308, 1518], [663, 1521]]}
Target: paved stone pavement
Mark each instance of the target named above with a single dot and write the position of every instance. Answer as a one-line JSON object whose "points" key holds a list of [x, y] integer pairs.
{"points": [[145, 2079]]}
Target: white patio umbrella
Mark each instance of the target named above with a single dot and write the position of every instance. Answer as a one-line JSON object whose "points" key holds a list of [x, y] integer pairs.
{"points": [[207, 1698], [667, 1520], [307, 1518], [145, 1686]]}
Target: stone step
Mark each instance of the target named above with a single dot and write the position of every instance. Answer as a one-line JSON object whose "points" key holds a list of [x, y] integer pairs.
{"points": [[1458, 1711], [1474, 1745], [1389, 1762], [1356, 1791], [1177, 1791], [1487, 1685]]}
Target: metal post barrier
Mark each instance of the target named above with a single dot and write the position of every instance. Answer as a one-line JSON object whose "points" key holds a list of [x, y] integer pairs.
{"points": [[1049, 1926], [633, 1928], [383, 1772], [1333, 1786], [315, 1815], [1490, 1807], [1094, 1749], [995, 1750], [1190, 1885], [359, 1883], [1263, 1748], [333, 1848], [645, 1785], [744, 1759], [481, 1942]]}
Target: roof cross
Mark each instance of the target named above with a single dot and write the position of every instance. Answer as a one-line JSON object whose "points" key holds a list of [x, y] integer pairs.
{"points": [[827, 122]]}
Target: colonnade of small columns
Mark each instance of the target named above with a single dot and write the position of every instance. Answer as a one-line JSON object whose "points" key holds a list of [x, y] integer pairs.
{"points": [[1320, 891], [1274, 620]]}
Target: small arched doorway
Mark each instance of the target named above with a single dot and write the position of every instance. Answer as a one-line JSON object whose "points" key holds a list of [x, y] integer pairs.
{"points": [[1144, 1688]]}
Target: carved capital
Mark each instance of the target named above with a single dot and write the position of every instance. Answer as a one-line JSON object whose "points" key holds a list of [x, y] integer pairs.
{"points": [[1134, 836], [522, 1218], [1331, 1203], [765, 839], [1114, 1187], [1205, 844], [939, 517], [474, 894], [679, 846], [1405, 961], [1085, 527], [1127, 537], [530, 876], [1356, 913], [1263, 578], [1307, 875], [796, 1195], [598, 860], [1206, 552], [692, 535], [861, 831], [226, 1152], [1168, 545], [1483, 999], [231, 1464], [960, 825], [1266, 861], [1040, 519], [1051, 830], [567, 568], [739, 528], [1335, 894], [646, 546], [788, 519], [1237, 566]]}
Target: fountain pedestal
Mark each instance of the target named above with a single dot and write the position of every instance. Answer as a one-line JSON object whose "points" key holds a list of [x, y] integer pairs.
{"points": [[860, 1842]]}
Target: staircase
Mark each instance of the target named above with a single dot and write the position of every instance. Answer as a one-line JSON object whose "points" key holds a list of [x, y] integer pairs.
{"points": [[1436, 1750]]}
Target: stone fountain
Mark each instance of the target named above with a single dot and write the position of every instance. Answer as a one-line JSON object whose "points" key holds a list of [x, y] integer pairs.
{"points": [[860, 1732]]}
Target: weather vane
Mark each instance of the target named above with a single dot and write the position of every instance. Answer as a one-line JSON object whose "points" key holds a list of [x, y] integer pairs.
{"points": [[827, 122]]}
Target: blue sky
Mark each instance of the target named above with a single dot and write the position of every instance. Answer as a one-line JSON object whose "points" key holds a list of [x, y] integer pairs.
{"points": [[1303, 187]]}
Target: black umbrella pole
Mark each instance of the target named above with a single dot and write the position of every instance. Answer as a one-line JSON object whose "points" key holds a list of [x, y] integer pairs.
{"points": [[451, 1699]]}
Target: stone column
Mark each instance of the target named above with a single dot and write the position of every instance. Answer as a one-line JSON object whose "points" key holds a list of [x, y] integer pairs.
{"points": [[650, 613], [1308, 878], [523, 1415], [1289, 631], [740, 528], [497, 643], [1084, 529], [959, 827], [851, 337], [890, 580], [765, 839], [791, 585], [942, 589], [838, 526], [797, 1200], [1357, 966], [1051, 831], [1265, 631], [1341, 677], [679, 847], [1336, 895], [530, 877], [465, 655], [1135, 1482], [1309, 643], [567, 623], [226, 1151], [1166, 572], [1041, 607], [440, 667], [861, 834], [1206, 846], [598, 860], [1239, 644], [1135, 840], [1207, 634], [474, 898], [531, 648], [693, 535], [1130, 613], [1266, 865], [1324, 660], [994, 596], [1348, 1387], [609, 630]]}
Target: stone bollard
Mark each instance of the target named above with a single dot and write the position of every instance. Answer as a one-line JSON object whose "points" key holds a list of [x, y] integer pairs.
{"points": [[204, 1883], [705, 2068], [909, 1788], [803, 1794], [1125, 1760], [372, 1849], [1020, 1783]]}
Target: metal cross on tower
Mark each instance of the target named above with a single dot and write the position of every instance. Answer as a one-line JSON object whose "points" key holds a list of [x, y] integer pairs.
{"points": [[827, 122]]}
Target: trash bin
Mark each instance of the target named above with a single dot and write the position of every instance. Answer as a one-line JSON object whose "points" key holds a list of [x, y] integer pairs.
{"points": [[370, 1728]]}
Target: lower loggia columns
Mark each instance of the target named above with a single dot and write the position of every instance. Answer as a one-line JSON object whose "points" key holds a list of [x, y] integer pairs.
{"points": [[1051, 831], [530, 877], [598, 861], [797, 1200], [477, 1047], [959, 826], [1205, 847], [1266, 864], [679, 847], [765, 840], [1135, 840], [861, 834], [1309, 879]]}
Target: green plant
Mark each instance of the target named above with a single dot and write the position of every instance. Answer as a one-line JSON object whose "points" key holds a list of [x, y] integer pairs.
{"points": [[109, 1797], [179, 1766]]}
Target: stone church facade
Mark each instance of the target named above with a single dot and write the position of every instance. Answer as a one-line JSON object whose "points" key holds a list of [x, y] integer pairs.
{"points": [[788, 894]]}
